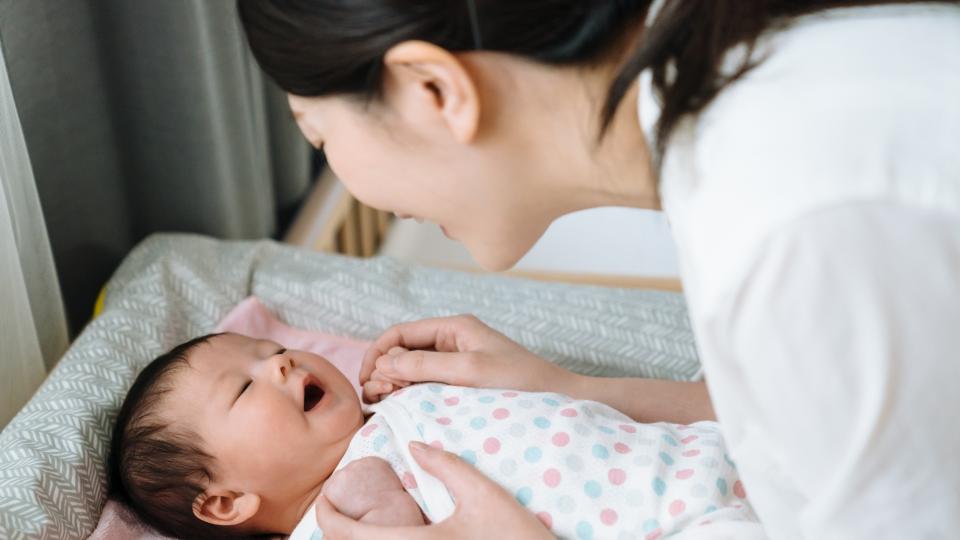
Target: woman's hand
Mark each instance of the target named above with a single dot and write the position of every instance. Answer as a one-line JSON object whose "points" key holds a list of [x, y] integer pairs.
{"points": [[483, 509], [457, 350]]}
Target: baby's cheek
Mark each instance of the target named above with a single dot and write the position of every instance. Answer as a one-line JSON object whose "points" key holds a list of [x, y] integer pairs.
{"points": [[265, 431]]}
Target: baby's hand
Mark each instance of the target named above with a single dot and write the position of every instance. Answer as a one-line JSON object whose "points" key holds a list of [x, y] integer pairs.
{"points": [[380, 386], [369, 491]]}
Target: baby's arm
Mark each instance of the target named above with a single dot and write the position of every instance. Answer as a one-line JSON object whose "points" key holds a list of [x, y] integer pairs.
{"points": [[367, 490]]}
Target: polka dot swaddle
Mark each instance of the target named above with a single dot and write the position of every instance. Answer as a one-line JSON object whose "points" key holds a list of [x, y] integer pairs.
{"points": [[586, 470]]}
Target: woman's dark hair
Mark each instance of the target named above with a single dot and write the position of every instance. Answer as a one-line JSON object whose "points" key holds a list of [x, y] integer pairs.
{"points": [[325, 47], [155, 468]]}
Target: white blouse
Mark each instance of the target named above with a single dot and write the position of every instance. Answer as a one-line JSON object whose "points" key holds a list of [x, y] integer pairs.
{"points": [[816, 209]]}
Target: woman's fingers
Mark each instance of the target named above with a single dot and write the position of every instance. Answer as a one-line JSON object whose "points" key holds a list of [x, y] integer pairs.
{"points": [[337, 526], [484, 509], [463, 480], [459, 368], [445, 334]]}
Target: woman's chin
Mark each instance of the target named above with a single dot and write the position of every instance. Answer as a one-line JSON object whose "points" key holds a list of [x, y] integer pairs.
{"points": [[496, 257]]}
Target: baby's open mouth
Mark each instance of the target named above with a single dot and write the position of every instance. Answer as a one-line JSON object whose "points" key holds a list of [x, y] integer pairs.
{"points": [[312, 394]]}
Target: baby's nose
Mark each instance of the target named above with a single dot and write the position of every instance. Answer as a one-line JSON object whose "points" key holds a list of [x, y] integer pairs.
{"points": [[282, 364]]}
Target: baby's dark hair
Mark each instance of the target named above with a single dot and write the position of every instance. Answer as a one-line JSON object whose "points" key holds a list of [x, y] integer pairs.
{"points": [[155, 468]]}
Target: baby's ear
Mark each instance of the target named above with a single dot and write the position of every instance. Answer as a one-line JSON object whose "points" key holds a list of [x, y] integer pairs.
{"points": [[225, 507]]}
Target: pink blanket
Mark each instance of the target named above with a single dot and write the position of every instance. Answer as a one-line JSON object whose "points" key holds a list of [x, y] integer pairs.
{"points": [[250, 318]]}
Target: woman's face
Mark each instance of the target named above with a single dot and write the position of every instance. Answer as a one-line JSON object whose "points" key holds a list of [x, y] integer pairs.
{"points": [[474, 194], [491, 148]]}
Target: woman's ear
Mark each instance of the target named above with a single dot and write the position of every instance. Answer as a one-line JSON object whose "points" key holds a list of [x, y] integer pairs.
{"points": [[224, 507], [431, 80]]}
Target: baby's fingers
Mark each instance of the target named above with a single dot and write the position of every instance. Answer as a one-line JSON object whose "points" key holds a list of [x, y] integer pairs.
{"points": [[378, 375], [374, 391]]}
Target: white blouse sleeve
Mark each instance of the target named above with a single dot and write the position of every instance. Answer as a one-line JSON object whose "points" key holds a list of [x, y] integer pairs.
{"points": [[841, 346]]}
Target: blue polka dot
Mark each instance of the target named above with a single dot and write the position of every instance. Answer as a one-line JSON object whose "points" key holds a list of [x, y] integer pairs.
{"points": [[469, 456], [317, 535], [666, 458], [532, 454], [600, 451], [729, 461], [435, 388], [478, 422], [607, 430], [584, 531], [541, 422], [592, 489], [453, 435], [670, 440], [709, 509], [650, 525], [524, 495], [659, 486], [379, 442], [551, 402], [722, 486], [427, 407], [487, 399]]}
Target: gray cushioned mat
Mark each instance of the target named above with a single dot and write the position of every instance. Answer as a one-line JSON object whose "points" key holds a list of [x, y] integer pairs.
{"points": [[173, 287]]}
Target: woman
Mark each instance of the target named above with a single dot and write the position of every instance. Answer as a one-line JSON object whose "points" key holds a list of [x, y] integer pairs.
{"points": [[807, 158]]}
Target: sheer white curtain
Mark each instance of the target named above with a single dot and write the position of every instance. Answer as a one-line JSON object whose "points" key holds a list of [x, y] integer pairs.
{"points": [[33, 332]]}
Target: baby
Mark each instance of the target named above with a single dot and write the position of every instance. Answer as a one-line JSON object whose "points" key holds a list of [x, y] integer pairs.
{"points": [[228, 436]]}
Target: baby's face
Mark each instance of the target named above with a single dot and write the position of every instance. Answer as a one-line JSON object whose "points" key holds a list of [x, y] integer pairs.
{"points": [[276, 421]]}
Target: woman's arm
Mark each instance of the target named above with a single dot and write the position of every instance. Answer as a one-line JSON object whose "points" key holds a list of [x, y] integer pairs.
{"points": [[646, 400]]}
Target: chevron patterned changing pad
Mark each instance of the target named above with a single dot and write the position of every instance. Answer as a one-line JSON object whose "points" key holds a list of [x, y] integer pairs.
{"points": [[173, 287]]}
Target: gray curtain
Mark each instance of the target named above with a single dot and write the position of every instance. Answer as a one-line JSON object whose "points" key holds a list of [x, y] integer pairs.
{"points": [[143, 116]]}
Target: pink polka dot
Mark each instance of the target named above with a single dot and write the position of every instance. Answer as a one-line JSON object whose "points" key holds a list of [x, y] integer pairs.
{"points": [[677, 507], [689, 439], [551, 477], [617, 476], [368, 429], [409, 481], [545, 518], [560, 439], [621, 448], [569, 413], [653, 535], [437, 444], [501, 413], [691, 453], [452, 400], [738, 490], [608, 516], [509, 394], [684, 474], [491, 445], [628, 428], [444, 421]]}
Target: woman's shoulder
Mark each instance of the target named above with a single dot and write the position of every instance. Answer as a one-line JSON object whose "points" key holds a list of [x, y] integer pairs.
{"points": [[848, 107], [861, 104]]}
